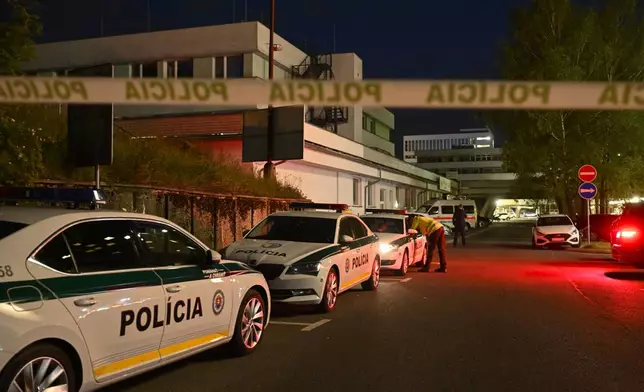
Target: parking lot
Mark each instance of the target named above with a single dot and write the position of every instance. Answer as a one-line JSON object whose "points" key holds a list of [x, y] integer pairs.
{"points": [[504, 317]]}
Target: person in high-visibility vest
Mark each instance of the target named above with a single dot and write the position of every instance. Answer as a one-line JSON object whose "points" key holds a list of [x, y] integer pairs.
{"points": [[435, 233]]}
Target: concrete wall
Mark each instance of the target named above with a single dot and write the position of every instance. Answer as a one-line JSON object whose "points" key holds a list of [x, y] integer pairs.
{"points": [[375, 141]]}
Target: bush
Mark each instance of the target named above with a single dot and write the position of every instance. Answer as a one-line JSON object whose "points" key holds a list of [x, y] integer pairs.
{"points": [[169, 163]]}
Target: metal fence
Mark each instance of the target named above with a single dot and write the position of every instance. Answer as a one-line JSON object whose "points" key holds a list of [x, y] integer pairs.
{"points": [[216, 219]]}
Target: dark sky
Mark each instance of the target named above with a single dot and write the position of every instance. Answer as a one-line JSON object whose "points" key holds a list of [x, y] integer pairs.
{"points": [[396, 39]]}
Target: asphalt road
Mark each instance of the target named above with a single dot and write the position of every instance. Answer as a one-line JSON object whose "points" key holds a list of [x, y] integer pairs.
{"points": [[504, 318]]}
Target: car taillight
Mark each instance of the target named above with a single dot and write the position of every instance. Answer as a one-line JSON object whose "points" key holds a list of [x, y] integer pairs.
{"points": [[626, 233]]}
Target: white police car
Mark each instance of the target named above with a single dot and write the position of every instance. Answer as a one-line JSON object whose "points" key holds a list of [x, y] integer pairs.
{"points": [[400, 247], [88, 298], [309, 257]]}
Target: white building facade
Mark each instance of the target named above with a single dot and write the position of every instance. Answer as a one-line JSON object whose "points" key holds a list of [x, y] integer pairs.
{"points": [[465, 138], [348, 156]]}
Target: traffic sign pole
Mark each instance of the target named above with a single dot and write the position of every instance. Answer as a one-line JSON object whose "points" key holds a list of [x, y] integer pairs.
{"points": [[587, 190]]}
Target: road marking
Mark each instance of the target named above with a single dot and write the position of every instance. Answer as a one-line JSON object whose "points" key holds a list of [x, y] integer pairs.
{"points": [[311, 327], [405, 280], [290, 323]]}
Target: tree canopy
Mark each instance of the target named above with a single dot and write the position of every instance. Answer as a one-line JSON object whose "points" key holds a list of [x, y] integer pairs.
{"points": [[558, 40], [33, 138]]}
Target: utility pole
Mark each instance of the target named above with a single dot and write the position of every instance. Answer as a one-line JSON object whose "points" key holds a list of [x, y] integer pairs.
{"points": [[269, 167]]}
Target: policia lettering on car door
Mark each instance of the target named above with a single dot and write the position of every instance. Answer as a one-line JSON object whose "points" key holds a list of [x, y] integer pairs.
{"points": [[175, 312], [357, 257]]}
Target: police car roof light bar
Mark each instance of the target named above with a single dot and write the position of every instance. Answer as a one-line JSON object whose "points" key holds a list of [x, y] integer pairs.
{"points": [[54, 195], [319, 206], [386, 211]]}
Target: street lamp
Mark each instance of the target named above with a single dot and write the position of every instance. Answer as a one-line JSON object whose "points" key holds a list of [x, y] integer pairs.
{"points": [[269, 167]]}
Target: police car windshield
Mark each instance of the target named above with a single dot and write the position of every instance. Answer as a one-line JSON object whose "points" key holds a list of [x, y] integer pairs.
{"points": [[384, 225], [295, 229], [7, 228], [554, 221]]}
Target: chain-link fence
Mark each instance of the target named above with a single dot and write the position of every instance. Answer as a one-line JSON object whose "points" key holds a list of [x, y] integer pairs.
{"points": [[216, 219]]}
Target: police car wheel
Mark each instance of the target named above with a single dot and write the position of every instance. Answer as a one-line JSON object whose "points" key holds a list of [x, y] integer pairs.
{"points": [[374, 279], [40, 367], [330, 297], [405, 264], [249, 328]]}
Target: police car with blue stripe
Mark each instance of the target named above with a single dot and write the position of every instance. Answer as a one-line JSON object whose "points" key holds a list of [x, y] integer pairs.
{"points": [[311, 254], [89, 297], [400, 247]]}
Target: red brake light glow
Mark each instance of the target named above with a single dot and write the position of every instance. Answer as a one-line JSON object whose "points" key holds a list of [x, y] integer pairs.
{"points": [[626, 233]]}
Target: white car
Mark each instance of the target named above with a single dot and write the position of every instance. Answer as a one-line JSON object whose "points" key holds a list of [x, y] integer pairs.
{"points": [[90, 297], [400, 247], [309, 257], [555, 230]]}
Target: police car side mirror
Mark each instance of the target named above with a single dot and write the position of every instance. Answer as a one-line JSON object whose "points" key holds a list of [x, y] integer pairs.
{"points": [[345, 239], [212, 257], [245, 232], [412, 231]]}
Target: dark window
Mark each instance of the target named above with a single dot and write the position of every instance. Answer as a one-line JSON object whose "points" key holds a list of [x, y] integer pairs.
{"points": [[447, 209], [432, 211], [359, 231], [295, 228], [136, 70], [56, 255], [105, 245], [7, 228], [469, 209], [385, 225], [219, 67], [345, 229], [235, 67], [150, 70], [163, 245], [184, 69]]}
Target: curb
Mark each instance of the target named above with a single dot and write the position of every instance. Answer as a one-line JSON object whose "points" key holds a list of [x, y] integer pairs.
{"points": [[593, 251]]}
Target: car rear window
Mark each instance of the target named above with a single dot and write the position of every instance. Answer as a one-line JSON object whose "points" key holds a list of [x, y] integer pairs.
{"points": [[295, 228], [7, 228], [634, 210]]}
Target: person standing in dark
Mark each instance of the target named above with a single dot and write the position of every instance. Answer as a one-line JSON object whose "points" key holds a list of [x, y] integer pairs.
{"points": [[435, 235], [459, 221]]}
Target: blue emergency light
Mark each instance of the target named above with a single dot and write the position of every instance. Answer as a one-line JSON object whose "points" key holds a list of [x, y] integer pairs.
{"points": [[319, 206], [385, 211], [74, 196]]}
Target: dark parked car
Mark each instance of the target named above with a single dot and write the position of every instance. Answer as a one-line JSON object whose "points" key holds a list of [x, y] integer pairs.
{"points": [[627, 235]]}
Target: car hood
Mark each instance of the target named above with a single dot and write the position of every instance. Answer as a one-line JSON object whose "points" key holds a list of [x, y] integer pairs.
{"points": [[387, 238], [254, 252], [565, 229]]}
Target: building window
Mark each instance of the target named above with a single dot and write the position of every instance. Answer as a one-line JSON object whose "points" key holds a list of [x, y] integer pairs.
{"points": [[219, 68], [356, 191], [149, 70], [369, 195], [391, 198], [235, 67], [383, 195]]}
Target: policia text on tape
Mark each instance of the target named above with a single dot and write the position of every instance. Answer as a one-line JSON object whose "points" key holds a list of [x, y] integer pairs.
{"points": [[367, 93]]}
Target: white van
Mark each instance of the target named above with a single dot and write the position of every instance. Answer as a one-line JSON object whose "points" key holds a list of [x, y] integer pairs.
{"points": [[443, 210]]}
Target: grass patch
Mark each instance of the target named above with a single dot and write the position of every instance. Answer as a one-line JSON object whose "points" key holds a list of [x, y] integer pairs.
{"points": [[597, 245]]}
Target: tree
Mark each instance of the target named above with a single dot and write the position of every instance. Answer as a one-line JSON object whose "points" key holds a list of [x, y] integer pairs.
{"points": [[557, 40], [20, 144]]}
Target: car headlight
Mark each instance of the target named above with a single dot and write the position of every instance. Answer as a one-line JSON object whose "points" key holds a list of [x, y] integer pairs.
{"points": [[304, 269], [574, 232], [386, 248]]}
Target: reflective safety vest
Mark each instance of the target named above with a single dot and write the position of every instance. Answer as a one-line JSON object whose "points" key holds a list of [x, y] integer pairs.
{"points": [[425, 225]]}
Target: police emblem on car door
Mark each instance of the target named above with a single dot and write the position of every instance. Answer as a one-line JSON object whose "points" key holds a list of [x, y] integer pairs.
{"points": [[196, 308]]}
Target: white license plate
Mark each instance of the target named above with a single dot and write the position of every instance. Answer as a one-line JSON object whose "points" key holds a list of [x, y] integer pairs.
{"points": [[559, 239]]}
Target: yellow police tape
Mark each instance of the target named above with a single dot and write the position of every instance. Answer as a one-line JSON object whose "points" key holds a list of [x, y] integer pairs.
{"points": [[367, 93]]}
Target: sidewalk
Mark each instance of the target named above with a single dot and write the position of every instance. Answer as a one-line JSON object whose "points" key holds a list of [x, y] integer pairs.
{"points": [[602, 248]]}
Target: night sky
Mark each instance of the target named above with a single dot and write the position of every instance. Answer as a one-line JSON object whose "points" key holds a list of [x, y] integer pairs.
{"points": [[455, 39]]}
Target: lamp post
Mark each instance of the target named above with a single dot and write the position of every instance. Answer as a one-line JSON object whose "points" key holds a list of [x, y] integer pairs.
{"points": [[269, 166]]}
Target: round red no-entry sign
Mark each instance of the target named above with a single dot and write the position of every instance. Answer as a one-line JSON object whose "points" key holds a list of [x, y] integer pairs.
{"points": [[587, 173]]}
